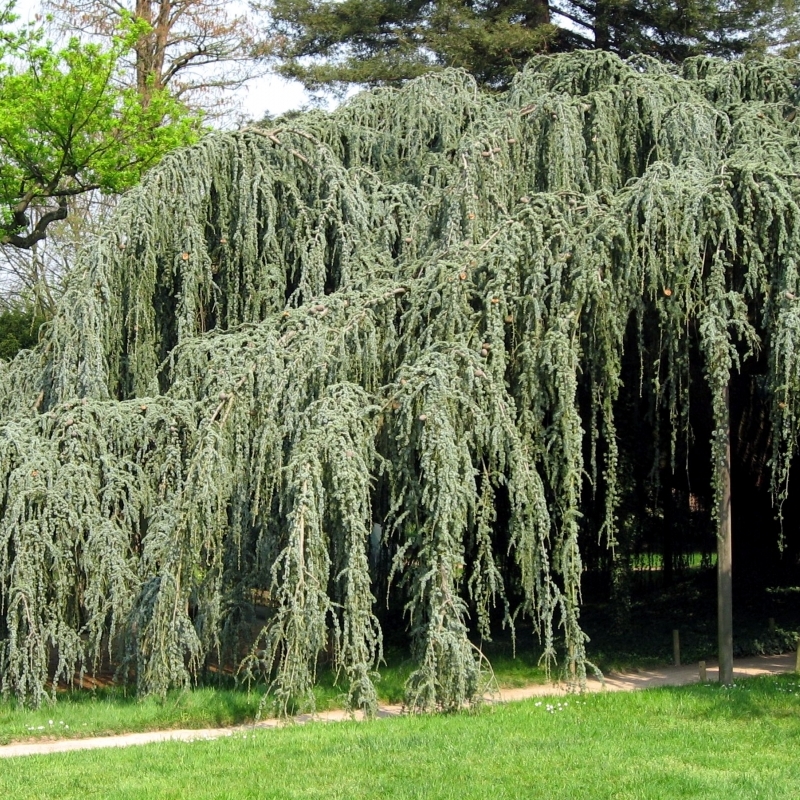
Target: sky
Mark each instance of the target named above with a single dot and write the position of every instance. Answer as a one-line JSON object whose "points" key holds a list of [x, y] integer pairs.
{"points": [[269, 94]]}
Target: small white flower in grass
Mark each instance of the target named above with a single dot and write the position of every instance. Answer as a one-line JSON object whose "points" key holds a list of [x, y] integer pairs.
{"points": [[51, 722]]}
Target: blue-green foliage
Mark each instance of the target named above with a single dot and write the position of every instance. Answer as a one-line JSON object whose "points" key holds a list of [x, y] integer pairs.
{"points": [[388, 315]]}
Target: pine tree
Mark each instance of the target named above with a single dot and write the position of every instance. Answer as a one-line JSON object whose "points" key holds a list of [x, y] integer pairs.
{"points": [[332, 45], [328, 44], [674, 30]]}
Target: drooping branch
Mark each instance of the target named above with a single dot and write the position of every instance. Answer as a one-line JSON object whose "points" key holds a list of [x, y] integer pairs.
{"points": [[413, 316]]}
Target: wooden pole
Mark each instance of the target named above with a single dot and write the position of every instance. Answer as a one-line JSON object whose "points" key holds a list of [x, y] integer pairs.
{"points": [[676, 647], [703, 673], [724, 557]]}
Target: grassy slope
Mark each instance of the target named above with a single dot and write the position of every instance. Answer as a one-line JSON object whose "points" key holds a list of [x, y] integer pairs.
{"points": [[695, 742]]}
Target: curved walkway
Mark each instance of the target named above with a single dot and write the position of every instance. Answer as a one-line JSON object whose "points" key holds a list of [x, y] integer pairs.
{"points": [[614, 682]]}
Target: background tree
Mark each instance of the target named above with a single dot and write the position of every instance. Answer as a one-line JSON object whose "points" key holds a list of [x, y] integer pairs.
{"points": [[68, 128], [73, 135], [328, 44], [672, 30], [198, 50], [185, 55], [325, 44], [19, 328], [34, 276]]}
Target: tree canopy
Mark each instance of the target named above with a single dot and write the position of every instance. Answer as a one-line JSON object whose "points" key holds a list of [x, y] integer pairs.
{"points": [[378, 358], [674, 30], [19, 327], [332, 44]]}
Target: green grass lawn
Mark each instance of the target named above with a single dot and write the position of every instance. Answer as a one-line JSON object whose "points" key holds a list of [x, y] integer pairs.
{"points": [[694, 742], [109, 711], [83, 713]]}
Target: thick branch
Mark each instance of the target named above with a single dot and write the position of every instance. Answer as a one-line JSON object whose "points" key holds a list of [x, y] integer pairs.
{"points": [[26, 241]]}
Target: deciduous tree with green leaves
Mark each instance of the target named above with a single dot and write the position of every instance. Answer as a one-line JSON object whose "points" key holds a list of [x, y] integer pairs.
{"points": [[68, 126]]}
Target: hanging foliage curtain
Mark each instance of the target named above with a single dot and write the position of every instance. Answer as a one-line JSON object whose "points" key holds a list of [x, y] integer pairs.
{"points": [[388, 315]]}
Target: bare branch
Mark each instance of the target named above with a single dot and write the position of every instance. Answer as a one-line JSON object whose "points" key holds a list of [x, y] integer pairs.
{"points": [[196, 47]]}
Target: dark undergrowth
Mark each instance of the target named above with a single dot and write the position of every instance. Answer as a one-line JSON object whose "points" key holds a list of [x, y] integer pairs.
{"points": [[766, 619]]}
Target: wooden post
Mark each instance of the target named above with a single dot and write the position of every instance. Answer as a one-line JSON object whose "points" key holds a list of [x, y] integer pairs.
{"points": [[771, 624], [676, 647], [703, 674], [724, 556], [797, 665]]}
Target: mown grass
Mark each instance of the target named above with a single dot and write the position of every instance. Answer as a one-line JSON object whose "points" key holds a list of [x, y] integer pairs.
{"points": [[694, 742], [109, 711], [101, 712]]}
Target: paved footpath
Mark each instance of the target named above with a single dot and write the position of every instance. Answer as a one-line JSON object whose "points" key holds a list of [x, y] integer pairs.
{"points": [[614, 682]]}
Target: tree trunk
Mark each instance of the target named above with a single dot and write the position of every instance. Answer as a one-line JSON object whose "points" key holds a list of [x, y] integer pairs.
{"points": [[668, 534], [602, 26], [724, 560], [151, 48]]}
